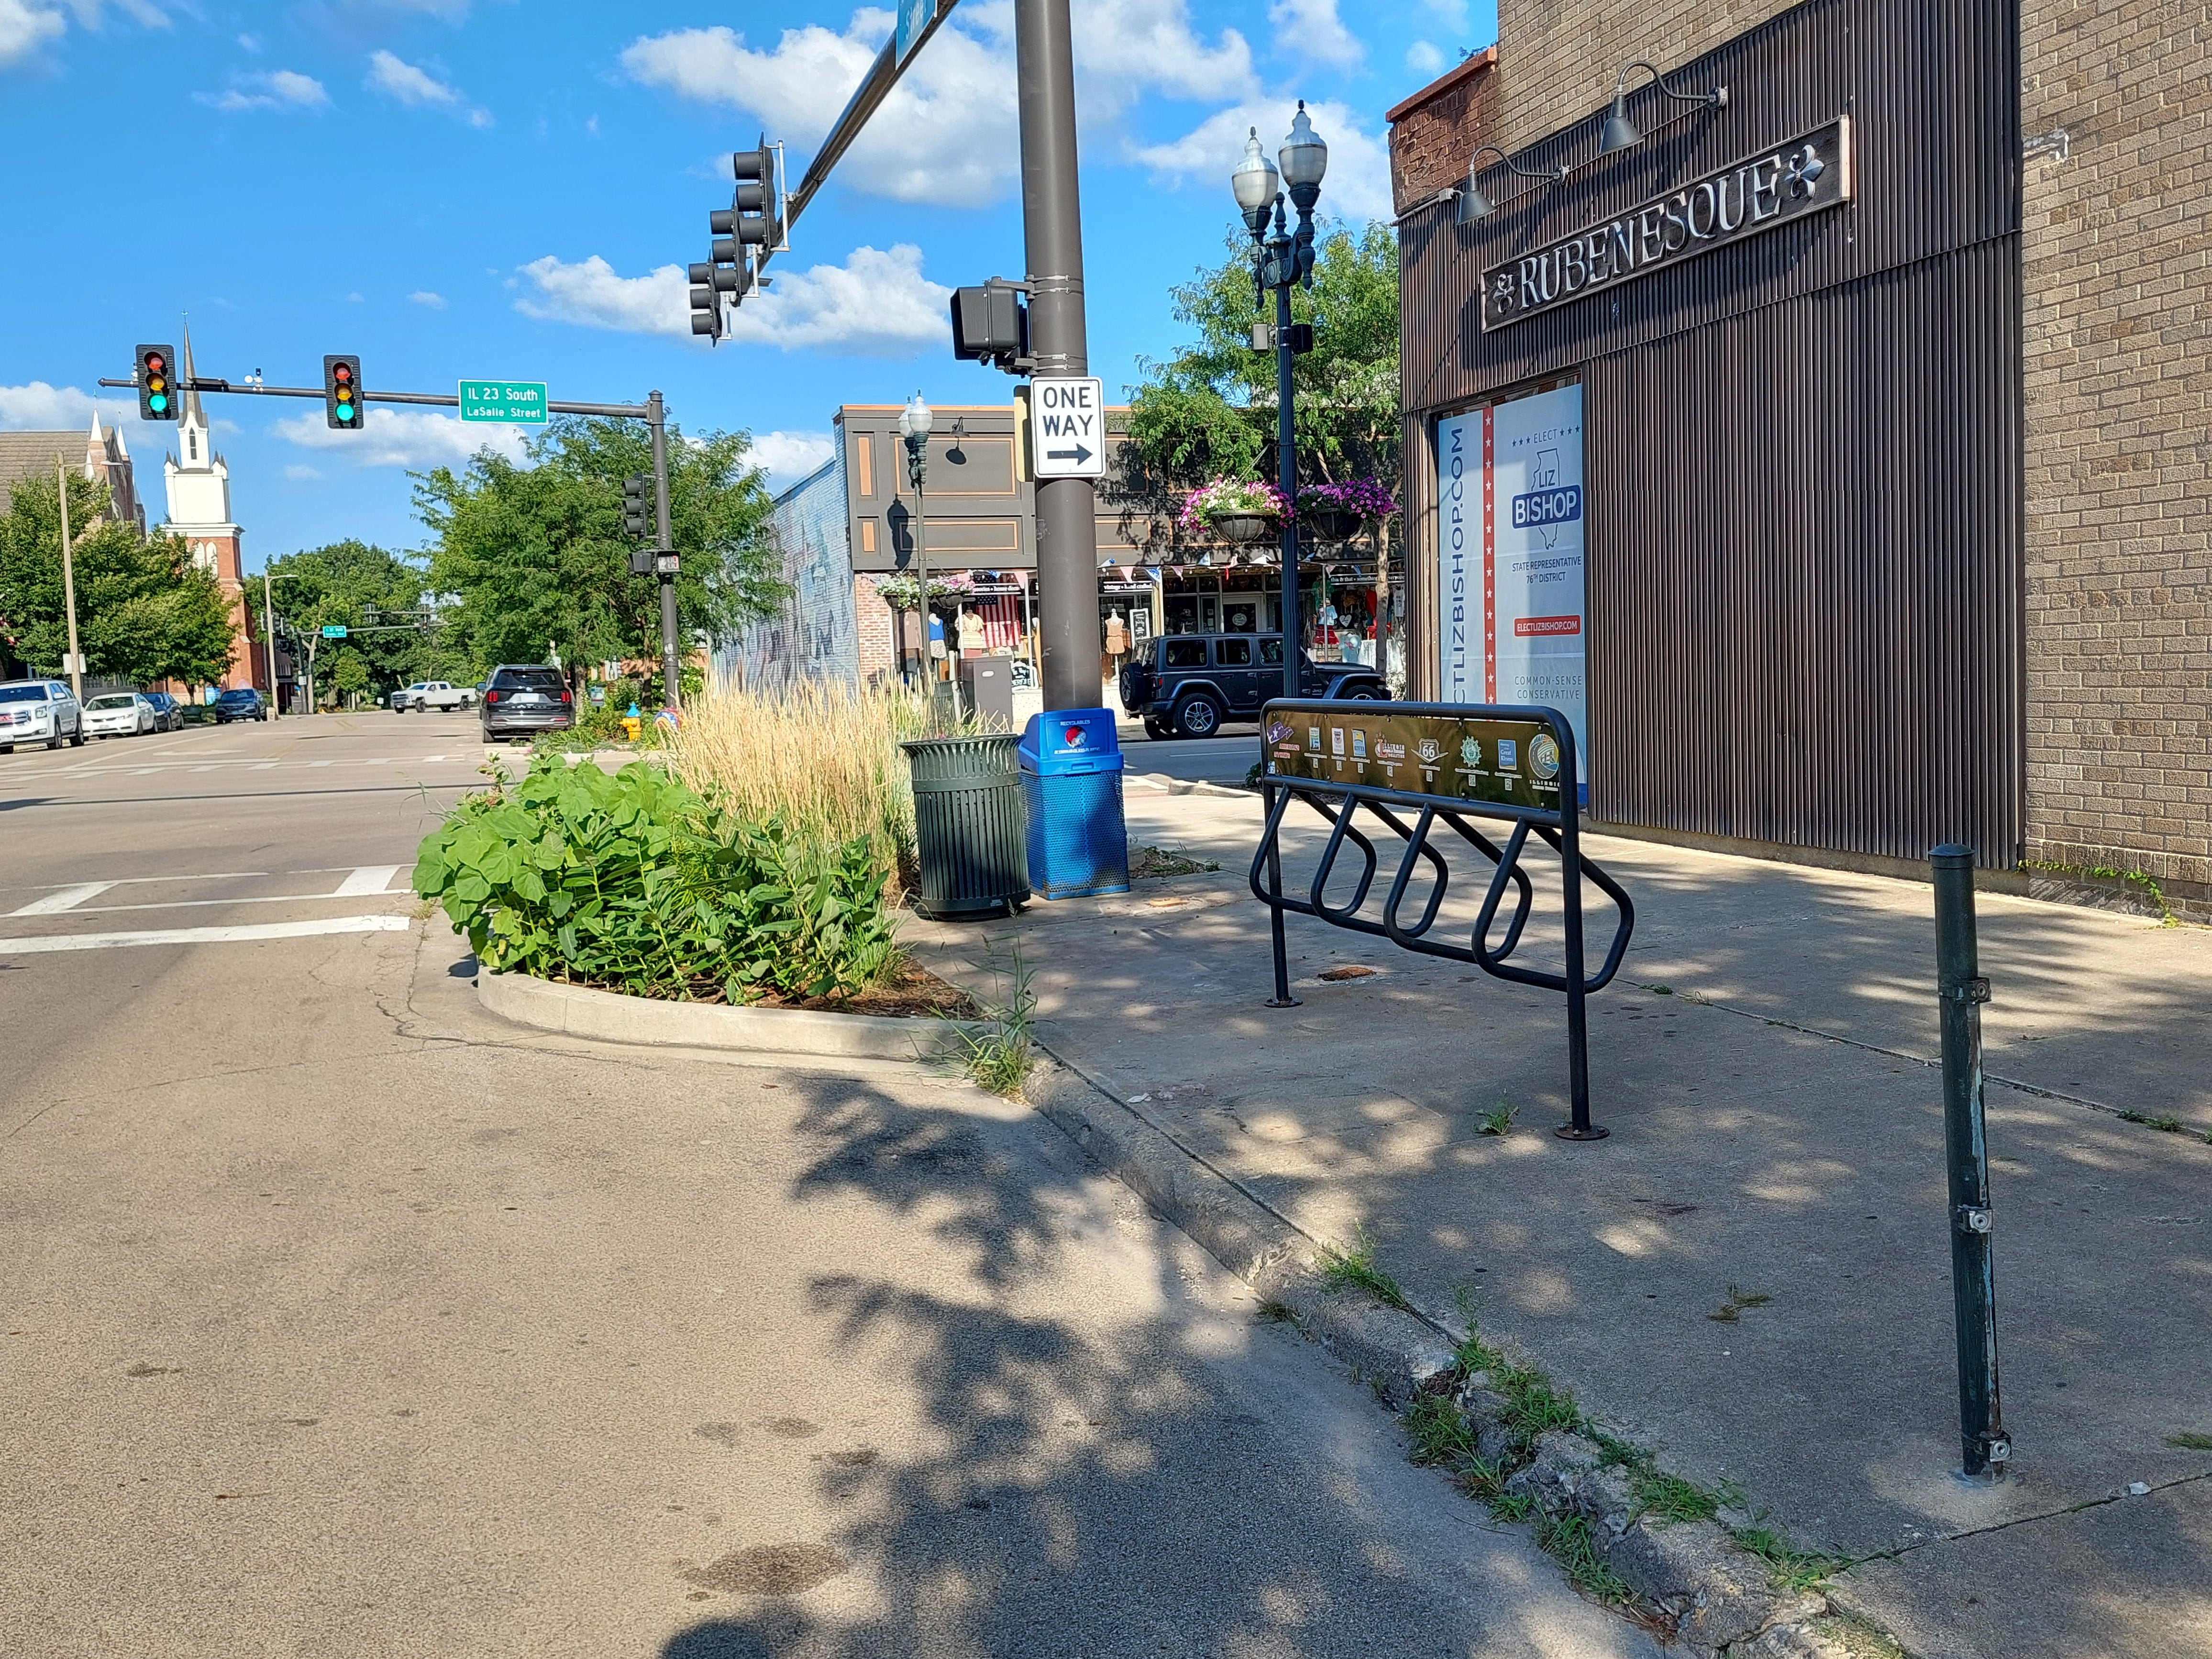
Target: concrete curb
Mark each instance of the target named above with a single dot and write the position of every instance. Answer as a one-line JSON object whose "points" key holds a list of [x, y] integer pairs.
{"points": [[1189, 785], [1716, 1592], [608, 1017]]}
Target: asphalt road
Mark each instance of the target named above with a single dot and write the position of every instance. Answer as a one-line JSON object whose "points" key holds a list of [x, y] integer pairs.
{"points": [[340, 1317]]}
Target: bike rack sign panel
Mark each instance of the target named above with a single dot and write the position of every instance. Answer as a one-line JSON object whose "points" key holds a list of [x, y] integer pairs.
{"points": [[1455, 757]]}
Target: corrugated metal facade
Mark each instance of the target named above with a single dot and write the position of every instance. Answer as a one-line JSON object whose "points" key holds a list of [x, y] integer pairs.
{"points": [[1802, 451]]}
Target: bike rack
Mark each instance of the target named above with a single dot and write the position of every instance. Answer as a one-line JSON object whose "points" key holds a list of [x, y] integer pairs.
{"points": [[1432, 764]]}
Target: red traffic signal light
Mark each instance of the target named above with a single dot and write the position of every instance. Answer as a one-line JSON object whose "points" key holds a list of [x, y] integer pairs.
{"points": [[342, 397], [160, 397]]}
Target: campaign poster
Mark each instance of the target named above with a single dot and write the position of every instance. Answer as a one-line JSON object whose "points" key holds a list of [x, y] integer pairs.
{"points": [[1510, 548]]}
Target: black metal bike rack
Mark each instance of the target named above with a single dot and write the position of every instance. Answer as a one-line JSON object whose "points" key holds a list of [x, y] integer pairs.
{"points": [[1449, 764]]}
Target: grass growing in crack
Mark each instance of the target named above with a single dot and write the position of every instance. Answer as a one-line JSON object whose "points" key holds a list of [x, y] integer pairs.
{"points": [[1737, 1301], [2190, 1442], [1669, 1497], [1353, 1267], [1277, 1313], [1497, 1122], [1003, 1055], [1568, 1539], [1790, 1569]]}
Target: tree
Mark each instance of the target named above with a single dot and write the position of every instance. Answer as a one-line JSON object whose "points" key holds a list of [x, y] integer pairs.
{"points": [[1209, 411], [535, 555], [145, 611], [360, 586]]}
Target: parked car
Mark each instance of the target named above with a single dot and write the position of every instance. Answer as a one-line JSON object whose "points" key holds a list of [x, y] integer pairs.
{"points": [[522, 698], [169, 713], [38, 711], [119, 715], [1187, 684], [241, 702], [432, 694]]}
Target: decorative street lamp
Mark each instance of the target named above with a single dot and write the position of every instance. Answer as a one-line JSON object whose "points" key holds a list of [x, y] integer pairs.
{"points": [[1283, 260], [913, 424]]}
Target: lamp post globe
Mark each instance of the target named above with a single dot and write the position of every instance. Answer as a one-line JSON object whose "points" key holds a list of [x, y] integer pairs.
{"points": [[913, 424], [1304, 159], [915, 419], [1255, 183]]}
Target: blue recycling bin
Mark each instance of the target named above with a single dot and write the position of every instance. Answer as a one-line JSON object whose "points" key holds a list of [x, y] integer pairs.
{"points": [[1072, 775]]}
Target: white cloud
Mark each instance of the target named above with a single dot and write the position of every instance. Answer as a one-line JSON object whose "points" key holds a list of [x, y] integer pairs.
{"points": [[301, 474], [787, 456], [280, 89], [390, 74], [877, 304], [948, 133], [422, 296], [410, 438], [24, 27], [249, 42], [1357, 185], [1315, 30], [1452, 13], [1423, 58], [38, 407]]}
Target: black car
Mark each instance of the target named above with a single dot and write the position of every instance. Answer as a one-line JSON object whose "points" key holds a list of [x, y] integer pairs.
{"points": [[1186, 685], [241, 702], [522, 698], [169, 713]]}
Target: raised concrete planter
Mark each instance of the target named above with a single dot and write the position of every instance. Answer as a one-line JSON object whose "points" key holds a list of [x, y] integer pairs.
{"points": [[608, 1017]]}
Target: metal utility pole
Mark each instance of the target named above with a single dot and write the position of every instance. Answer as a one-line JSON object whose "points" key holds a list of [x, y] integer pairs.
{"points": [[269, 644], [664, 556], [68, 581], [1960, 990], [1052, 222]]}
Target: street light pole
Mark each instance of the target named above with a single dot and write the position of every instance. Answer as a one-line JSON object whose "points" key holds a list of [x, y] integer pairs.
{"points": [[69, 587], [672, 687], [1283, 261], [1052, 225]]}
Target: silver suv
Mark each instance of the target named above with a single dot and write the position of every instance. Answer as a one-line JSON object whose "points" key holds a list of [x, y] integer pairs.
{"points": [[38, 711]]}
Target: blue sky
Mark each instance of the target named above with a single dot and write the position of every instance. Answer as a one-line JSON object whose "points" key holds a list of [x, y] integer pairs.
{"points": [[512, 187]]}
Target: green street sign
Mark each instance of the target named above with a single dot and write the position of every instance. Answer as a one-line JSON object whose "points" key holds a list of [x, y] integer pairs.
{"points": [[334, 630], [508, 402]]}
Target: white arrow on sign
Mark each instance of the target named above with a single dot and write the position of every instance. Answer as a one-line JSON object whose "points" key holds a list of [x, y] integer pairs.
{"points": [[1067, 427]]}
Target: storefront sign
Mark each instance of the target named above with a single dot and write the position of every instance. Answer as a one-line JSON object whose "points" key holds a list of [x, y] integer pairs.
{"points": [[1507, 763], [1510, 557], [1779, 186]]}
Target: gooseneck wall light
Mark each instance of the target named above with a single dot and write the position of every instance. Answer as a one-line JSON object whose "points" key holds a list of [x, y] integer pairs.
{"points": [[1621, 132], [1474, 203]]}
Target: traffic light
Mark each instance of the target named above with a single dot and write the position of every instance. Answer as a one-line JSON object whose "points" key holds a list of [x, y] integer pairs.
{"points": [[990, 325], [756, 207], [342, 398], [159, 398], [637, 506]]}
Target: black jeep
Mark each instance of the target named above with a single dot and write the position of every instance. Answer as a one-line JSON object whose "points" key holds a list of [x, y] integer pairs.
{"points": [[1184, 685]]}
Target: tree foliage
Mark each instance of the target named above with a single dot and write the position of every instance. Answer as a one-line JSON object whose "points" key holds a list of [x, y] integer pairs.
{"points": [[1209, 411], [535, 554], [145, 612], [358, 585]]}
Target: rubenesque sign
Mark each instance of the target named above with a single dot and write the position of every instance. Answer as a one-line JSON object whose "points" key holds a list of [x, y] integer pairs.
{"points": [[1785, 183]]}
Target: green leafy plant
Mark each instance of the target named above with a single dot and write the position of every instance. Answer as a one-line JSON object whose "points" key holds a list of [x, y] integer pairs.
{"points": [[1497, 1121], [1789, 1568], [632, 881], [1353, 1267]]}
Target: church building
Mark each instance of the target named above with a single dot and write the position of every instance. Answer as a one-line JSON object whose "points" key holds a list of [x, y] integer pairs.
{"points": [[200, 511]]}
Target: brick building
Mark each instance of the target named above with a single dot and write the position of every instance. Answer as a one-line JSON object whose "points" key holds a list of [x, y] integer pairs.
{"points": [[1837, 448]]}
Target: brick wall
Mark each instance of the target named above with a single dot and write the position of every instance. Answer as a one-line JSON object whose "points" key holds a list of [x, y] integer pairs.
{"points": [[873, 617], [1558, 58], [2118, 354], [1434, 132]]}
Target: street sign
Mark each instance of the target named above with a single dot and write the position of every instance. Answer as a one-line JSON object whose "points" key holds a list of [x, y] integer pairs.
{"points": [[915, 16], [334, 630], [519, 403], [1067, 427]]}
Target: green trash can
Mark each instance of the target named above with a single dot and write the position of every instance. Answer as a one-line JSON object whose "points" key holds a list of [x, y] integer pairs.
{"points": [[970, 824]]}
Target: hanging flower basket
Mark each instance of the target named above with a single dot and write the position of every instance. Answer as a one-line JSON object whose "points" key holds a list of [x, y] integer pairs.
{"points": [[1337, 511], [1329, 523], [1235, 510]]}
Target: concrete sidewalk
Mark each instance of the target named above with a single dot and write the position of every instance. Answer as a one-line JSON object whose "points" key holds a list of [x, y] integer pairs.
{"points": [[1765, 1062]]}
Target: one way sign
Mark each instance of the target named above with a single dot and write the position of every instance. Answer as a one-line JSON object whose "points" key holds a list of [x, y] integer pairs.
{"points": [[1067, 428]]}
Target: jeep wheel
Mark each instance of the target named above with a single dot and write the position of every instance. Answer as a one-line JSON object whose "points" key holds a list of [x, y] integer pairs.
{"points": [[1157, 732], [1365, 692], [1198, 717]]}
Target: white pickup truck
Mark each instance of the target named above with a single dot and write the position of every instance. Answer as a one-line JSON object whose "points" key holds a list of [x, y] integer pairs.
{"points": [[432, 694]]}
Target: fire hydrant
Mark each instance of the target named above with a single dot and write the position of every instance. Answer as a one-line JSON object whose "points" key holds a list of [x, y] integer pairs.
{"points": [[633, 723]]}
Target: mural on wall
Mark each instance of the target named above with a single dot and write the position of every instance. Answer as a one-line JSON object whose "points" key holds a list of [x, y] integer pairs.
{"points": [[815, 634]]}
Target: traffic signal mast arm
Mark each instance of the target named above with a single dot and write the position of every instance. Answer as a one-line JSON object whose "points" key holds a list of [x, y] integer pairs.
{"points": [[434, 399]]}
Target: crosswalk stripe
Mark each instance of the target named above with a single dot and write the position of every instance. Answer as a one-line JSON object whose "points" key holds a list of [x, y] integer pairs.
{"points": [[237, 934], [369, 878], [67, 898]]}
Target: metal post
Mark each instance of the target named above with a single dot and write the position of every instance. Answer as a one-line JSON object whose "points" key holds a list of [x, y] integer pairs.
{"points": [[68, 585], [1578, 1126], [1052, 223], [1286, 480], [269, 644], [1282, 999], [1960, 990], [671, 675]]}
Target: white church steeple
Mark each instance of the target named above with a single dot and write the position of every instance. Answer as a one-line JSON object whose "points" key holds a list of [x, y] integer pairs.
{"points": [[198, 480]]}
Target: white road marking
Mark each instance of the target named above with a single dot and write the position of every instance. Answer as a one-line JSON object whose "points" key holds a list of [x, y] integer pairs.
{"points": [[312, 763], [238, 934], [369, 878], [67, 898]]}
